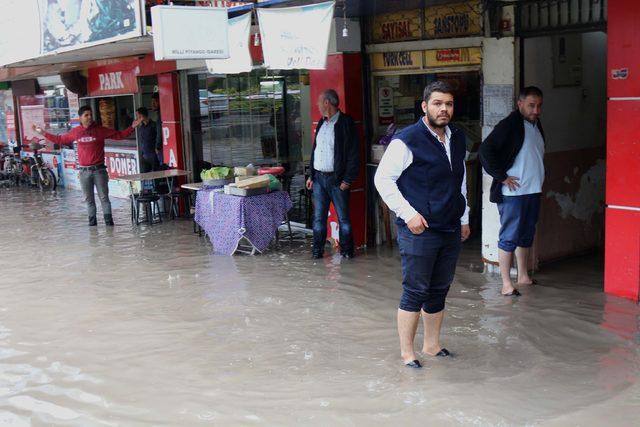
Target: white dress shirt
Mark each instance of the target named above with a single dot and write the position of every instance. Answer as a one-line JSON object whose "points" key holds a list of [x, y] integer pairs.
{"points": [[395, 160], [325, 142]]}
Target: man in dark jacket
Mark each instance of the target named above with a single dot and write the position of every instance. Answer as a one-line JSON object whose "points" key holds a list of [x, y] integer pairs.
{"points": [[422, 178], [148, 142], [334, 167], [513, 154]]}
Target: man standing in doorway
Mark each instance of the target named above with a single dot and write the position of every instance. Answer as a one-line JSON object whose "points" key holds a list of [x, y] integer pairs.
{"points": [[334, 167], [422, 178], [89, 137], [154, 114], [513, 154], [148, 142]]}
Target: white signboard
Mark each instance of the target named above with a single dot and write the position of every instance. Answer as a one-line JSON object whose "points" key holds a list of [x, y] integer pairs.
{"points": [[296, 37], [187, 32], [239, 55]]}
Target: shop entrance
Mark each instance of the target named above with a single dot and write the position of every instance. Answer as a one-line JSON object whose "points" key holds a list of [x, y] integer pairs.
{"points": [[254, 118], [398, 99]]}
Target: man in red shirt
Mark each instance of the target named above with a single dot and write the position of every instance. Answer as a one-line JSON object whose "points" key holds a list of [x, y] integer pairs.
{"points": [[90, 137]]}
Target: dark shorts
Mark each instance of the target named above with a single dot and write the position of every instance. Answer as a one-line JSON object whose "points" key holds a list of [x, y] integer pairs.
{"points": [[428, 266], [518, 219]]}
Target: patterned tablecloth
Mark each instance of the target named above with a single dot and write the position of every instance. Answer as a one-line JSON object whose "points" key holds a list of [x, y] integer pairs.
{"points": [[226, 219]]}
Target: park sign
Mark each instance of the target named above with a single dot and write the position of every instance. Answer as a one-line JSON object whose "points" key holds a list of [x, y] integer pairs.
{"points": [[188, 32]]}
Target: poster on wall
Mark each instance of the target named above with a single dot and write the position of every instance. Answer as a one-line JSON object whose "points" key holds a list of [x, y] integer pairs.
{"points": [[239, 60], [120, 162], [385, 105], [73, 24], [31, 115], [70, 169], [296, 37]]}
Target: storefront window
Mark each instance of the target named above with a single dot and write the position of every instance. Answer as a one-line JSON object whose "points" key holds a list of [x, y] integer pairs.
{"points": [[51, 110], [400, 98], [253, 118]]}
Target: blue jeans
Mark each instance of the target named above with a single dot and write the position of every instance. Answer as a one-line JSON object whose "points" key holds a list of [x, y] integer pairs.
{"points": [[518, 219], [326, 190]]}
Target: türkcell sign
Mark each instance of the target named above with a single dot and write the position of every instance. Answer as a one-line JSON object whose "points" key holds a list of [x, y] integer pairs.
{"points": [[187, 32]]}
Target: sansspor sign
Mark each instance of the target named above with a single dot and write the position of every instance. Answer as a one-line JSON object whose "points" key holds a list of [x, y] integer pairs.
{"points": [[391, 27], [455, 20], [187, 32], [73, 24], [296, 37]]}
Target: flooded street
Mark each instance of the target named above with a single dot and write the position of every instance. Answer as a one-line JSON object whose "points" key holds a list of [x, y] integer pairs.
{"points": [[137, 326]]}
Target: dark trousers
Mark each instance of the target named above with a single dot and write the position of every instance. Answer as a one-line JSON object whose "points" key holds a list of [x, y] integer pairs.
{"points": [[149, 164], [325, 191], [428, 266], [98, 178]]}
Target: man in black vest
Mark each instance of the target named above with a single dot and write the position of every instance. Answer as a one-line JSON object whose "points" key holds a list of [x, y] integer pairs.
{"points": [[334, 166], [422, 178], [513, 154]]}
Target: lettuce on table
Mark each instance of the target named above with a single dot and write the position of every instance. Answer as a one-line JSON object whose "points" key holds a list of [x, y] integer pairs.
{"points": [[218, 172]]}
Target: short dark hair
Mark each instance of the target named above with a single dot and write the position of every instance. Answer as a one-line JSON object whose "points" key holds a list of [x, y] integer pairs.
{"points": [[331, 96], [436, 86], [84, 108], [529, 91], [143, 111]]}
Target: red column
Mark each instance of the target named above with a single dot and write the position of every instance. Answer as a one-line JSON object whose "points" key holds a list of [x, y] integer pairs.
{"points": [[344, 75], [170, 115], [622, 226]]}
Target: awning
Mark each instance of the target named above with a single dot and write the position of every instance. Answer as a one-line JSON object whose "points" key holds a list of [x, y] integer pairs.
{"points": [[129, 47]]}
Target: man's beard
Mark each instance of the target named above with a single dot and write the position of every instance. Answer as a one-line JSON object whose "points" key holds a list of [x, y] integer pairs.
{"points": [[434, 124]]}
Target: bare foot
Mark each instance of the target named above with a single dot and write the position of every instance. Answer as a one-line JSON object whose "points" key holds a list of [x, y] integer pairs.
{"points": [[408, 358], [507, 288], [431, 351], [526, 281]]}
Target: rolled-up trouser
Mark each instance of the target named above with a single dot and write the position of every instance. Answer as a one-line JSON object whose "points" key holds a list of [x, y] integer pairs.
{"points": [[518, 219], [100, 179], [428, 266]]}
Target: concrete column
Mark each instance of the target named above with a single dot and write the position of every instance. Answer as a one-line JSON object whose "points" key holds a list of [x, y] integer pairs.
{"points": [[498, 68]]}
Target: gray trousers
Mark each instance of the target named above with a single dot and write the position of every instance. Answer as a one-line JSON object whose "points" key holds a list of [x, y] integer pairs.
{"points": [[100, 179]]}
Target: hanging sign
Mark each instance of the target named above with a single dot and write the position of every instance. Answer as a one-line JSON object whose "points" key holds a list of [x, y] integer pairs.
{"points": [[453, 57], [113, 79], [187, 32], [239, 60], [453, 20], [296, 37], [386, 61], [398, 26]]}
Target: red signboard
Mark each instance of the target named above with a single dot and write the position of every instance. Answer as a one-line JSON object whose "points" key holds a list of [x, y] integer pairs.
{"points": [[447, 55], [115, 79]]}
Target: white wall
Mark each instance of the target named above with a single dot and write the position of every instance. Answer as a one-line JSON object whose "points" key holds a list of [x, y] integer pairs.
{"points": [[572, 117]]}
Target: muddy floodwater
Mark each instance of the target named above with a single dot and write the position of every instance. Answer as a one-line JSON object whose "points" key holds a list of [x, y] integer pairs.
{"points": [[144, 326]]}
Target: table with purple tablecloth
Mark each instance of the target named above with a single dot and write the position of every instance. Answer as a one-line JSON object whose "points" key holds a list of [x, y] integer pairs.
{"points": [[228, 219]]}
